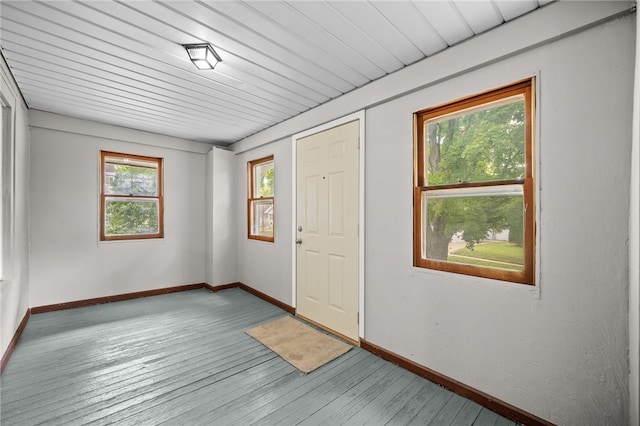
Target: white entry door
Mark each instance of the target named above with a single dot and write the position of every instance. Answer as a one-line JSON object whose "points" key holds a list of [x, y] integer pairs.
{"points": [[327, 229]]}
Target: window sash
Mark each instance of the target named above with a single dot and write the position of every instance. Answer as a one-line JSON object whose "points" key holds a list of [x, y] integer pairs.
{"points": [[146, 222], [133, 228], [261, 217], [474, 202]]}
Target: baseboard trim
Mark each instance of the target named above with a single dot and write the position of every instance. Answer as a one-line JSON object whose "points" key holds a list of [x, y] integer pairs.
{"points": [[115, 298], [493, 404], [261, 295], [215, 288], [12, 345]]}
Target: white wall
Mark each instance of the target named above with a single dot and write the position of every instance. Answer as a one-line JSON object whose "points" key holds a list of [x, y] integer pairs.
{"points": [[221, 217], [561, 355], [263, 265], [14, 289], [559, 350], [68, 263]]}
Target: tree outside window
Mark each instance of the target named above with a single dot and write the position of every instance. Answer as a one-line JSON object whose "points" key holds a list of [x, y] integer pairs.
{"points": [[473, 198]]}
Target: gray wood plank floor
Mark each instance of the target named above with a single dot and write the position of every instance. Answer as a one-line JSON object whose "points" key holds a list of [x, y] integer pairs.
{"points": [[184, 359]]}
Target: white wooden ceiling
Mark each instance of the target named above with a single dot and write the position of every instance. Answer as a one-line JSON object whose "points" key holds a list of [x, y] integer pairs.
{"points": [[122, 63]]}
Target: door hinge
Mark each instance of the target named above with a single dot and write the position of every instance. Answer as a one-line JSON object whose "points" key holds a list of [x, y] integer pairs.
{"points": [[358, 318]]}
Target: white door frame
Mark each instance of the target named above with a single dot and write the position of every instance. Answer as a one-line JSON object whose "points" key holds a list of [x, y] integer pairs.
{"points": [[294, 206]]}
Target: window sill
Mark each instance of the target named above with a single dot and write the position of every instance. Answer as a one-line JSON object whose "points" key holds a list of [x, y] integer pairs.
{"points": [[517, 288], [132, 240]]}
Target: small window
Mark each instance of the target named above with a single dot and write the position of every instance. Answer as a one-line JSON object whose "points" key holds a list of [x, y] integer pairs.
{"points": [[131, 201], [474, 207], [261, 192]]}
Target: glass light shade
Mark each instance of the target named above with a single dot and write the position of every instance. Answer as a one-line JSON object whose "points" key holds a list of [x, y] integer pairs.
{"points": [[202, 55]]}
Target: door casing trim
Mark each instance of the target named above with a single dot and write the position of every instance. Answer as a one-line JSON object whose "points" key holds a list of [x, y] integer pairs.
{"points": [[356, 116]]}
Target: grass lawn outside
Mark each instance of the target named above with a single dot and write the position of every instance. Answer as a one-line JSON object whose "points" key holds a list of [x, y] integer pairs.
{"points": [[493, 254]]}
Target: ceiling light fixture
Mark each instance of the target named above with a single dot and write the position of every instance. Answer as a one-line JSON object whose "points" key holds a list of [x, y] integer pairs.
{"points": [[202, 55]]}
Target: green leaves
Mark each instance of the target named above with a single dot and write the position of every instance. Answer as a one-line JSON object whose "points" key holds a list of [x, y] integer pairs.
{"points": [[266, 182], [125, 216], [480, 146]]}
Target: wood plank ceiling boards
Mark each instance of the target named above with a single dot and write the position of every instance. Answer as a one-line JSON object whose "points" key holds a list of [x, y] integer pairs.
{"points": [[122, 63]]}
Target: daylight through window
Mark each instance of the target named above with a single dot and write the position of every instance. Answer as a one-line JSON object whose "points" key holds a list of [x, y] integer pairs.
{"points": [[131, 201], [474, 208], [261, 193]]}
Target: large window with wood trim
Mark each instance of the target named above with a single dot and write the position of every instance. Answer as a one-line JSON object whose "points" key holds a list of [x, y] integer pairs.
{"points": [[131, 199], [474, 204], [261, 195]]}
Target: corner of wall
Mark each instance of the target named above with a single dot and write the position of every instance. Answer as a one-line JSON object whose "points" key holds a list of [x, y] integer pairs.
{"points": [[14, 290]]}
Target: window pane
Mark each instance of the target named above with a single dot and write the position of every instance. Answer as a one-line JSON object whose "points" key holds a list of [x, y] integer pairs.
{"points": [[480, 144], [262, 218], [263, 185], [131, 216], [139, 178], [476, 230]]}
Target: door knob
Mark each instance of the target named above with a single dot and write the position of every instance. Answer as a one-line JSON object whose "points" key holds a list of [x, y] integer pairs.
{"points": [[298, 241]]}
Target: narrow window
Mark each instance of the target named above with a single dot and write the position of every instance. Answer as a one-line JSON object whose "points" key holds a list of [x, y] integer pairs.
{"points": [[131, 199], [261, 191], [474, 210]]}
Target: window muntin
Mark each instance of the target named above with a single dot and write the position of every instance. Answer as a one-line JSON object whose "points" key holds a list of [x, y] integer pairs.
{"points": [[131, 200], [473, 193], [261, 195]]}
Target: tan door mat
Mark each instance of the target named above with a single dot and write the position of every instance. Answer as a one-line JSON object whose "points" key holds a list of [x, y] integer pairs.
{"points": [[299, 344]]}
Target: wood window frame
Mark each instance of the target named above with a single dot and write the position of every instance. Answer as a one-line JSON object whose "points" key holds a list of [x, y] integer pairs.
{"points": [[527, 275], [159, 197], [252, 197]]}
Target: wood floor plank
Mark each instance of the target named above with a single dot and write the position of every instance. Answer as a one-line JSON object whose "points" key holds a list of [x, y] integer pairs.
{"points": [[260, 408], [238, 404], [431, 408], [418, 402], [468, 414], [486, 418], [377, 403], [129, 399], [158, 379], [358, 397], [296, 412], [186, 408], [185, 359], [501, 421], [449, 411], [385, 413]]}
